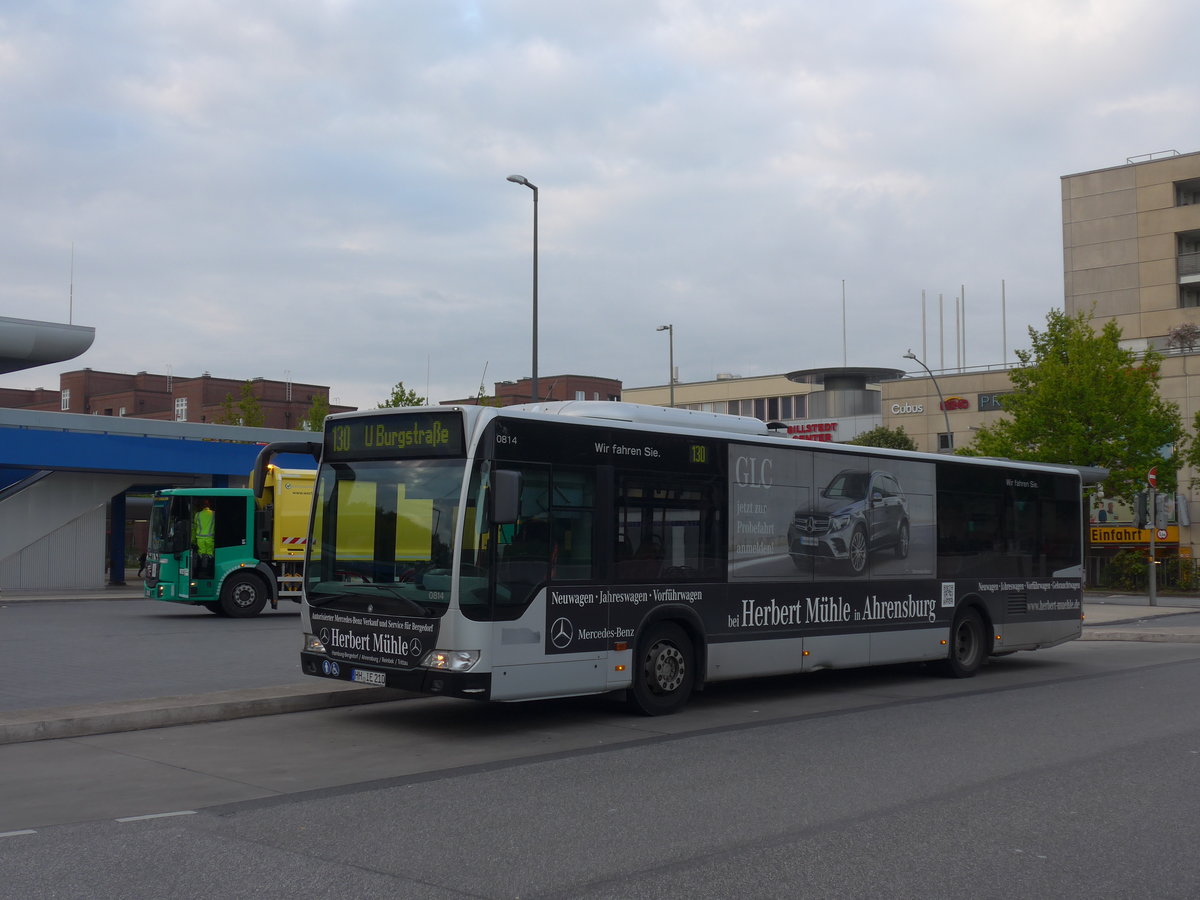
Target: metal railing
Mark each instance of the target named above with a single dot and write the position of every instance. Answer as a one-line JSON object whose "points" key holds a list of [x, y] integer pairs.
{"points": [[1146, 157], [1189, 264]]}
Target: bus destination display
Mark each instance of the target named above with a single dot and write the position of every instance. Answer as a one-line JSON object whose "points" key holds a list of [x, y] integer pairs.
{"points": [[395, 437]]}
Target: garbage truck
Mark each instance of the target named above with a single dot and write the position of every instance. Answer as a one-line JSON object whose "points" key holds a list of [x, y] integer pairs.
{"points": [[226, 549]]}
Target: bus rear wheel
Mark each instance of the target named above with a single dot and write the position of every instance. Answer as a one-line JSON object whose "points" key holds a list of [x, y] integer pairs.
{"points": [[243, 595], [664, 670], [966, 653]]}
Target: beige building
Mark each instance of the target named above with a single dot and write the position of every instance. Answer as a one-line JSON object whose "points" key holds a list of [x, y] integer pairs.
{"points": [[829, 404]]}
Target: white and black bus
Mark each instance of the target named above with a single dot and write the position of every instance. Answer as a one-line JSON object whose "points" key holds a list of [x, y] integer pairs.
{"points": [[573, 548]]}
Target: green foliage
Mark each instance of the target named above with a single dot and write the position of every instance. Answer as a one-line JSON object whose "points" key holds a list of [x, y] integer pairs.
{"points": [[1079, 398], [1179, 574], [314, 419], [1126, 571], [228, 416], [1191, 454], [487, 399], [402, 396], [894, 438], [246, 411]]}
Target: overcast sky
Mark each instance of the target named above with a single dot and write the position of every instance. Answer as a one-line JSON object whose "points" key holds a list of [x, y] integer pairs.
{"points": [[316, 190]]}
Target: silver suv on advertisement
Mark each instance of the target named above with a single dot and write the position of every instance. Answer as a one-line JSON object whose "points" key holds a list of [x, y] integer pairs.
{"points": [[857, 512]]}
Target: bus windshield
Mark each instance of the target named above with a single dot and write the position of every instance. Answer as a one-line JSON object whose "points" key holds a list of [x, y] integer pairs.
{"points": [[383, 533]]}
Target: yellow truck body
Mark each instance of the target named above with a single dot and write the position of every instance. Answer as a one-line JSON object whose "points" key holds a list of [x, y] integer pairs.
{"points": [[289, 495]]}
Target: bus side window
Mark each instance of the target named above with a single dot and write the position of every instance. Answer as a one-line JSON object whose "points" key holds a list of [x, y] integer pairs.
{"points": [[524, 564], [668, 529], [573, 509]]}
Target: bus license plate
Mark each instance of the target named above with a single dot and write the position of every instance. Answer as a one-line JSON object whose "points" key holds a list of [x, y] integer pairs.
{"points": [[364, 677]]}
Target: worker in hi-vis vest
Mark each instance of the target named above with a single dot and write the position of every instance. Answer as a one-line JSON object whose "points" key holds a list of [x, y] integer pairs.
{"points": [[203, 532]]}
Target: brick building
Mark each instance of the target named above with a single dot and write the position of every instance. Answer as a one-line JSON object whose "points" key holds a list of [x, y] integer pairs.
{"points": [[284, 404], [552, 387]]}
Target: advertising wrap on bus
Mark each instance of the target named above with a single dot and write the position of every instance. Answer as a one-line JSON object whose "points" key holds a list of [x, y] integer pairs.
{"points": [[373, 639], [590, 620]]}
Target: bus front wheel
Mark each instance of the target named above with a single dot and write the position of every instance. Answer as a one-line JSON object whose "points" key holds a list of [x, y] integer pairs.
{"points": [[664, 670], [243, 595], [966, 653]]}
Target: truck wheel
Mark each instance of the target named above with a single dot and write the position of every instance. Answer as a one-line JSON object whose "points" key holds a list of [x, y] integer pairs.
{"points": [[664, 670], [243, 595]]}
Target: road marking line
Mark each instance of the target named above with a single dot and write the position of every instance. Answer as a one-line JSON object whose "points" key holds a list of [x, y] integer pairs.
{"points": [[4, 834], [182, 812]]}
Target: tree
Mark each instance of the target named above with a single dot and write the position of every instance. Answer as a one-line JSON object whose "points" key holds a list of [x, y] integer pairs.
{"points": [[247, 411], [402, 396], [894, 438], [314, 419], [1185, 336], [1080, 398]]}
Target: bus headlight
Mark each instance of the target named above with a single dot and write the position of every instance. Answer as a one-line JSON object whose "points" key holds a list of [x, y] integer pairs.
{"points": [[451, 660], [312, 644]]}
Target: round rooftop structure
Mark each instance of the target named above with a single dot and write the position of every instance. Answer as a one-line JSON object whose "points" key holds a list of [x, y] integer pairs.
{"points": [[847, 378], [26, 344]]}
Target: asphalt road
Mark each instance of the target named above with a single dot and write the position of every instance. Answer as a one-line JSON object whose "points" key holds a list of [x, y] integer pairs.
{"points": [[1065, 773], [66, 653]]}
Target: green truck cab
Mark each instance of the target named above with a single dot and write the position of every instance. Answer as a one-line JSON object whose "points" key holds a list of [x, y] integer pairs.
{"points": [[258, 544]]}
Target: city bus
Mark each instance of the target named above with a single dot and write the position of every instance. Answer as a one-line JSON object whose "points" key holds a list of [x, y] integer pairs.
{"points": [[586, 547]]}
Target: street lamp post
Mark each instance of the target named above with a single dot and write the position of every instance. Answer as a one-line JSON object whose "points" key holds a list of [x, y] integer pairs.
{"points": [[521, 179], [941, 399], [670, 330]]}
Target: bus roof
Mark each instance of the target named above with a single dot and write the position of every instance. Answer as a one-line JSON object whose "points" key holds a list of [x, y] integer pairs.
{"points": [[644, 417]]}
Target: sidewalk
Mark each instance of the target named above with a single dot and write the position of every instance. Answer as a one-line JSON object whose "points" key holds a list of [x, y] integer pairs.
{"points": [[1130, 617], [204, 651]]}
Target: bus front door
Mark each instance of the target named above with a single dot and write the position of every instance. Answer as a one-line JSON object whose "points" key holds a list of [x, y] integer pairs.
{"points": [[180, 548]]}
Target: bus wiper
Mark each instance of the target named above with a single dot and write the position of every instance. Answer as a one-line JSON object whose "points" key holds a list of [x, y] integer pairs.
{"points": [[365, 590], [396, 591]]}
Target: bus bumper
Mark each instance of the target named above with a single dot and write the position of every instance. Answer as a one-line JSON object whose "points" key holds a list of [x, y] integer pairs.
{"points": [[468, 685]]}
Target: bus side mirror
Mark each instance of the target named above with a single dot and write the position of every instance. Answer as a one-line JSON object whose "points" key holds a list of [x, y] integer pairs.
{"points": [[506, 496]]}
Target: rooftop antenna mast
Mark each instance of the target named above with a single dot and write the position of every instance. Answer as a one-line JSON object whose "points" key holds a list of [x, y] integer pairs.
{"points": [[71, 289], [843, 322]]}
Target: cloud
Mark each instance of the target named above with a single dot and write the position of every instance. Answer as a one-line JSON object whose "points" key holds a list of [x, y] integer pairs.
{"points": [[320, 188]]}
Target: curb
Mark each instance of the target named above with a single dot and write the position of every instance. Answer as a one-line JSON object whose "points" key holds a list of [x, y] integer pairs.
{"points": [[135, 715], [1101, 633]]}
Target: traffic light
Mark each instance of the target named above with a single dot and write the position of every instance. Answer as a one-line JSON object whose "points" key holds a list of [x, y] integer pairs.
{"points": [[1161, 518], [1141, 515]]}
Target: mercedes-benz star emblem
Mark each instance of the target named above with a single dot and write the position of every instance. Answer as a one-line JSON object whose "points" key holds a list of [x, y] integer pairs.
{"points": [[416, 647], [561, 633]]}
